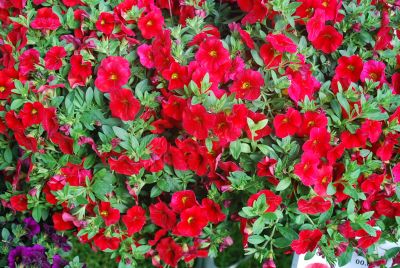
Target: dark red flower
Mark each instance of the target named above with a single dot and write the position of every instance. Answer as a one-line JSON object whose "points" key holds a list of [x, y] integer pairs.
{"points": [[161, 215], [123, 104], [197, 121], [257, 10], [169, 251], [134, 219], [110, 215], [308, 241], [151, 24], [79, 72], [31, 113], [315, 205], [287, 124], [53, 58], [60, 224], [315, 25], [193, 220], [182, 200], [247, 85], [213, 211], [328, 40], [266, 167], [105, 23], [19, 202], [46, 19], [273, 201], [113, 73], [282, 43]]}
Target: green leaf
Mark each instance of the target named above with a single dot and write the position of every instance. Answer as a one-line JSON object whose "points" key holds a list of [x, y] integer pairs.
{"points": [[288, 233], [256, 239], [283, 184], [121, 133], [345, 257], [103, 183], [257, 57], [16, 104], [235, 149]]}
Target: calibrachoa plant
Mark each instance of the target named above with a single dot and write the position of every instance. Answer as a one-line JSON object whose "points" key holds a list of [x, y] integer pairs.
{"points": [[152, 129]]}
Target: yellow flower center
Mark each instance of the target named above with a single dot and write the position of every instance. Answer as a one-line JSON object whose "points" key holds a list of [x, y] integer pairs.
{"points": [[190, 219], [113, 77], [373, 76], [149, 23], [174, 76], [213, 53], [104, 213], [325, 4], [102, 22], [34, 111], [2, 89], [246, 85]]}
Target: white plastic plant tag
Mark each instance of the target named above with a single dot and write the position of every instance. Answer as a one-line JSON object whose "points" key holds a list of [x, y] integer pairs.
{"points": [[320, 262]]}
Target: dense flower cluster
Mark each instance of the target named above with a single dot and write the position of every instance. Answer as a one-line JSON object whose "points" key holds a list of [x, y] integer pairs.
{"points": [[157, 129]]}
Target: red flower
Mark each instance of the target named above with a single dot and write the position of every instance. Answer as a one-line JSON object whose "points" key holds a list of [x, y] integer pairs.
{"points": [[328, 40], [273, 201], [113, 73], [193, 220], [6, 85], [53, 58], [151, 24], [65, 143], [176, 75], [372, 129], [182, 200], [32, 113], [312, 120], [30, 143], [123, 104], [80, 71], [60, 224], [266, 167], [270, 57], [349, 67], [19, 202], [315, 25], [145, 53], [282, 43], [213, 211], [319, 142], [134, 219], [46, 19], [110, 215], [161, 215], [170, 252], [197, 121], [261, 133], [28, 61], [212, 55], [257, 11], [287, 124], [308, 241], [313, 206], [372, 184], [247, 85], [373, 70], [366, 241], [307, 168], [104, 242], [124, 165], [105, 23], [396, 173]]}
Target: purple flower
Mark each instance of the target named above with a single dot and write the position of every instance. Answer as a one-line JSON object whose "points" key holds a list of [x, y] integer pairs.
{"points": [[28, 256], [61, 242], [58, 262], [32, 227]]}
